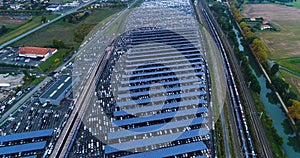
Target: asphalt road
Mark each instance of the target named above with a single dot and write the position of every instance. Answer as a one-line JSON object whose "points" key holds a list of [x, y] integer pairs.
{"points": [[22, 100], [44, 25]]}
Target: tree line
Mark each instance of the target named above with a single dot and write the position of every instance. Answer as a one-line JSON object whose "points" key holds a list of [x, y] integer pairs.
{"points": [[260, 51]]}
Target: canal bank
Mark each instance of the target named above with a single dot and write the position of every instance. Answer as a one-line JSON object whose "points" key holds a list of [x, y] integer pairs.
{"points": [[273, 109]]}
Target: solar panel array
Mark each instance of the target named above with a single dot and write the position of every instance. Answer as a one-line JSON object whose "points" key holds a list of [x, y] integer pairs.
{"points": [[23, 142], [152, 96], [161, 103], [159, 84], [26, 135]]}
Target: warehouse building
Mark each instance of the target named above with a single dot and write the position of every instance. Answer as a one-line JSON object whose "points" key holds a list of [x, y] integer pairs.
{"points": [[58, 91], [36, 52]]}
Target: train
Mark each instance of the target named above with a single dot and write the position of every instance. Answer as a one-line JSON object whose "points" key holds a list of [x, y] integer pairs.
{"points": [[245, 137]]}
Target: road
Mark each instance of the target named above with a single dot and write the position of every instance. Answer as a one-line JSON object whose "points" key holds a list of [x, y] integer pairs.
{"points": [[28, 95], [82, 102], [22, 100], [225, 135], [44, 25], [259, 135]]}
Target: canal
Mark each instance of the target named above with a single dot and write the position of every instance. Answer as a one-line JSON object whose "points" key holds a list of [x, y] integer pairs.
{"points": [[272, 109]]}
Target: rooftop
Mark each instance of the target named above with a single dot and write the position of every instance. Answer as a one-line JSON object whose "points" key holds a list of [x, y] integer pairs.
{"points": [[35, 50], [58, 87]]}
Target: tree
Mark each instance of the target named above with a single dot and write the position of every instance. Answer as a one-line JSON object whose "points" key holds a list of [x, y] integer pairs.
{"points": [[58, 43], [3, 30], [43, 19], [236, 13], [246, 30], [274, 69], [81, 31], [243, 25], [280, 85], [56, 61], [259, 50], [294, 110]]}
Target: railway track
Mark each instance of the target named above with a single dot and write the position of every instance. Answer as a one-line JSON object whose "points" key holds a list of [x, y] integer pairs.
{"points": [[81, 105], [243, 130], [260, 136]]}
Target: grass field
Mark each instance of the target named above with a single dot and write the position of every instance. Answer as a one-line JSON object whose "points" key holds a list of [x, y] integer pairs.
{"points": [[50, 65], [64, 31], [292, 64], [293, 80], [118, 25], [11, 23], [294, 4], [20, 29], [283, 45]]}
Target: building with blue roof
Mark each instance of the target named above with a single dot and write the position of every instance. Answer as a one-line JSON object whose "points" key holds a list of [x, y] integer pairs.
{"points": [[58, 91]]}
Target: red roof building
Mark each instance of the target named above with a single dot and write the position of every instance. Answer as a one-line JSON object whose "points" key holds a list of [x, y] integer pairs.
{"points": [[35, 52], [263, 27]]}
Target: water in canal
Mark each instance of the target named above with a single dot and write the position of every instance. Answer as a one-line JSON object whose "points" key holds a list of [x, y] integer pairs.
{"points": [[273, 109]]}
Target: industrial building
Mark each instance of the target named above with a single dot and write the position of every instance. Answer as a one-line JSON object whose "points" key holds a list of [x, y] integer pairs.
{"points": [[36, 52], [58, 91]]}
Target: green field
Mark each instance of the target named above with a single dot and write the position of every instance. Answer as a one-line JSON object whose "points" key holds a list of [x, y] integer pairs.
{"points": [[282, 44], [12, 26], [50, 64], [118, 25], [63, 30], [292, 64], [18, 30], [296, 3], [293, 80]]}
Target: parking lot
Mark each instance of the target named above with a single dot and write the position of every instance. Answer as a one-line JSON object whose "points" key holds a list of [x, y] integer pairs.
{"points": [[9, 56], [32, 116], [112, 116]]}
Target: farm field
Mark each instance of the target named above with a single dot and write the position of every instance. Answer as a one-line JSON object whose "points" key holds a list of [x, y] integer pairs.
{"points": [[64, 31], [283, 45], [296, 3], [12, 20], [293, 80], [20, 26]]}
